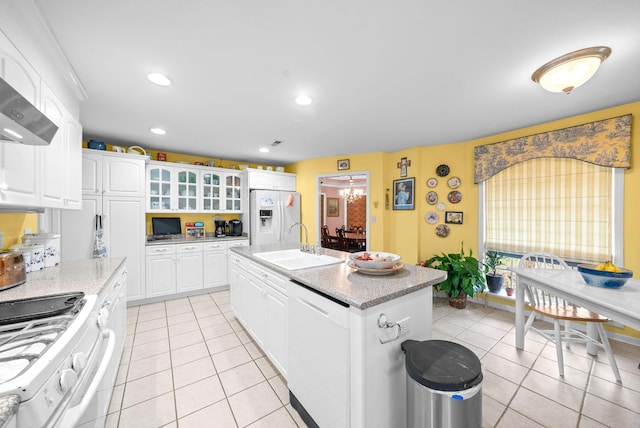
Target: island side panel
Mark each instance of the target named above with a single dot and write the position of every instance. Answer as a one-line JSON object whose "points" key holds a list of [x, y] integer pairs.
{"points": [[378, 376]]}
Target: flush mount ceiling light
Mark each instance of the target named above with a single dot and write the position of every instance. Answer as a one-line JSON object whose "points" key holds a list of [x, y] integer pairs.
{"points": [[264, 150], [158, 131], [159, 79], [569, 71], [303, 100]]}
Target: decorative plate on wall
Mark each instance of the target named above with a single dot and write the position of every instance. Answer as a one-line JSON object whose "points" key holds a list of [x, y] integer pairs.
{"points": [[454, 182], [441, 206], [432, 217], [442, 170], [442, 230], [454, 197], [432, 182], [432, 198]]}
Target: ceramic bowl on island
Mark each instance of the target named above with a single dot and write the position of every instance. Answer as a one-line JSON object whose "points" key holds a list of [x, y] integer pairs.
{"points": [[374, 259], [603, 278]]}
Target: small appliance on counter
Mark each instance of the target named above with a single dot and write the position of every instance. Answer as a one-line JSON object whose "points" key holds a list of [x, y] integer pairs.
{"points": [[235, 227], [12, 270], [220, 228]]}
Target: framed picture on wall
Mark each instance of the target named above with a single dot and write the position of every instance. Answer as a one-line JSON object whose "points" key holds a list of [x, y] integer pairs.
{"points": [[343, 164], [453, 217], [333, 207], [404, 194]]}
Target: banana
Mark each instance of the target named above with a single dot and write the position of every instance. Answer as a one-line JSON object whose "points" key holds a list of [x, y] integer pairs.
{"points": [[608, 267]]}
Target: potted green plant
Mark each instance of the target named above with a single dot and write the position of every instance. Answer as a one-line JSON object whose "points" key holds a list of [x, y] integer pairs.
{"points": [[494, 279], [464, 276]]}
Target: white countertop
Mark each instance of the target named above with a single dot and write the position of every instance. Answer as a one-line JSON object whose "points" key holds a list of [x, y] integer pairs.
{"points": [[347, 285], [88, 276]]}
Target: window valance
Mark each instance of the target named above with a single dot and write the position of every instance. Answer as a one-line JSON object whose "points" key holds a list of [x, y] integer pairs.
{"points": [[605, 142]]}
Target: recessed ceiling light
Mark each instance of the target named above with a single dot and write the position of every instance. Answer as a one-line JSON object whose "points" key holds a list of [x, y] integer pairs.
{"points": [[303, 100], [159, 79], [264, 150], [158, 131]]}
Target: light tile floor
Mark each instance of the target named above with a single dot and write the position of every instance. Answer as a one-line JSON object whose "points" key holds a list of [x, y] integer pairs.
{"points": [[189, 363]]}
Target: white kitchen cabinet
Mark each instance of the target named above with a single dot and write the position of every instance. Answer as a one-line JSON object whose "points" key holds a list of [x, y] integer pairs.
{"points": [[215, 269], [120, 203], [19, 172], [221, 191], [259, 299], [59, 161], [270, 180], [161, 270], [189, 267], [172, 187], [232, 192]]}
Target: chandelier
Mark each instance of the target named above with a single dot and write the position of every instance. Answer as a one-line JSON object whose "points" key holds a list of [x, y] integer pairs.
{"points": [[351, 195]]}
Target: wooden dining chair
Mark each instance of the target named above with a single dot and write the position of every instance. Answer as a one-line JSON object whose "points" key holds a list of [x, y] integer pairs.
{"points": [[343, 244], [328, 241], [543, 303]]}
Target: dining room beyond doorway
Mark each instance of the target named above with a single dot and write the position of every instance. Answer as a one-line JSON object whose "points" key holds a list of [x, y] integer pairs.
{"points": [[342, 204]]}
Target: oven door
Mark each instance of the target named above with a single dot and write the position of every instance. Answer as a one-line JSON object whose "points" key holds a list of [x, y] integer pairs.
{"points": [[87, 404]]}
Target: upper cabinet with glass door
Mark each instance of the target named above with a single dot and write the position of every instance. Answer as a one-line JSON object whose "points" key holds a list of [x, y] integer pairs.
{"points": [[221, 191], [172, 188]]}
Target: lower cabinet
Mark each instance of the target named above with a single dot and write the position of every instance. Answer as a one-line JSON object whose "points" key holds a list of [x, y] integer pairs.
{"points": [[259, 300], [187, 267]]}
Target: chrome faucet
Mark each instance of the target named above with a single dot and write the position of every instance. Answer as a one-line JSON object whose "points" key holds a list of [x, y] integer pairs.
{"points": [[304, 247]]}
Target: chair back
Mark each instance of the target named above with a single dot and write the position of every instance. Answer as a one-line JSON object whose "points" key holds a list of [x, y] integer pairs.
{"points": [[324, 235], [342, 242], [541, 260]]}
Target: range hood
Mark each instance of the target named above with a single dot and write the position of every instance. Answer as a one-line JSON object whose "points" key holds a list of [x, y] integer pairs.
{"points": [[21, 121]]}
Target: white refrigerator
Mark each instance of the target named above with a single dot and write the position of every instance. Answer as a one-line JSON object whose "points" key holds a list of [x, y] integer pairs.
{"points": [[272, 213]]}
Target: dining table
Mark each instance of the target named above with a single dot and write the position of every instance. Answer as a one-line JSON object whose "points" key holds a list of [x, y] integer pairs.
{"points": [[621, 305], [354, 239]]}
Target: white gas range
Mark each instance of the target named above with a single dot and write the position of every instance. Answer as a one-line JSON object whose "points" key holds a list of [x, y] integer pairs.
{"points": [[61, 357]]}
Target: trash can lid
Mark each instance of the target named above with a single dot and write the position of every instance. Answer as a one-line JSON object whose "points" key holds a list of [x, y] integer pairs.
{"points": [[442, 365]]}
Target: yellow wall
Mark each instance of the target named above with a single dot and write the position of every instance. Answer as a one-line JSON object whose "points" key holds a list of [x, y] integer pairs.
{"points": [[13, 226]]}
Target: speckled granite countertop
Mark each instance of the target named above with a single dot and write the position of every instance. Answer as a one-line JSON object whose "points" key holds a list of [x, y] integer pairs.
{"points": [[88, 276], [182, 240], [8, 407], [347, 285]]}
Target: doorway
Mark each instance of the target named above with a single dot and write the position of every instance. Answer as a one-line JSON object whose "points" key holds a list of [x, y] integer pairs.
{"points": [[336, 209]]}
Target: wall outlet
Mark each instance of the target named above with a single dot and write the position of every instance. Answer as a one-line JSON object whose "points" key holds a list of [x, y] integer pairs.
{"points": [[404, 325], [28, 231], [373, 219]]}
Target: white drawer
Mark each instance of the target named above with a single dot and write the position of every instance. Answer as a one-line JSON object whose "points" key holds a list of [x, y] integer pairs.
{"points": [[211, 246], [243, 243], [188, 248], [160, 249]]}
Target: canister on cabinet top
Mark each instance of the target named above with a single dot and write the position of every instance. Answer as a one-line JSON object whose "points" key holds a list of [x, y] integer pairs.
{"points": [[51, 243]]}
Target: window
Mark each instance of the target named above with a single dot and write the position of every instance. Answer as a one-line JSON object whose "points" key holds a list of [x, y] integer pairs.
{"points": [[559, 205]]}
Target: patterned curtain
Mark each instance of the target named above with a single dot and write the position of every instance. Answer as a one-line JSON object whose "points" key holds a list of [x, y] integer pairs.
{"points": [[605, 142]]}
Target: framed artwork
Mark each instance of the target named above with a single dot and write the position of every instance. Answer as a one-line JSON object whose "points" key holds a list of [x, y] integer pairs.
{"points": [[343, 164], [453, 217], [404, 194], [333, 207]]}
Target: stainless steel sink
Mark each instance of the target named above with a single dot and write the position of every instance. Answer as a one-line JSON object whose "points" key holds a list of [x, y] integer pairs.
{"points": [[295, 259]]}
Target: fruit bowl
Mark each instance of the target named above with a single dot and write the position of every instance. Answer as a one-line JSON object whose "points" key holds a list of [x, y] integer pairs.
{"points": [[374, 259], [603, 278]]}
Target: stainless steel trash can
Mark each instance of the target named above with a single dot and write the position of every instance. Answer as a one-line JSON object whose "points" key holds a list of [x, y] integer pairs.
{"points": [[444, 385]]}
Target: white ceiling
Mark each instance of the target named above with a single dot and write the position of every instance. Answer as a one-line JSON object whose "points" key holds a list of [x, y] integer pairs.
{"points": [[384, 75]]}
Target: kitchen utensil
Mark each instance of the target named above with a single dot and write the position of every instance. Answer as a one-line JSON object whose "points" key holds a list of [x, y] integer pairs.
{"points": [[220, 228], [14, 311], [137, 150], [12, 270], [96, 145], [374, 260], [602, 278], [99, 249]]}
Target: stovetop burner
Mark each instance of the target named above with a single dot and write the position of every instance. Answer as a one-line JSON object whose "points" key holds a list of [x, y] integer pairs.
{"points": [[23, 342]]}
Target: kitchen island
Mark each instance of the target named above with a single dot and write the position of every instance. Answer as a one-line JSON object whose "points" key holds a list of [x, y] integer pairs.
{"points": [[334, 333]]}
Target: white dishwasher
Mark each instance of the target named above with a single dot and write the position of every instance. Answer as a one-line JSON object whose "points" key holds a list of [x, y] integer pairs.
{"points": [[318, 371]]}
